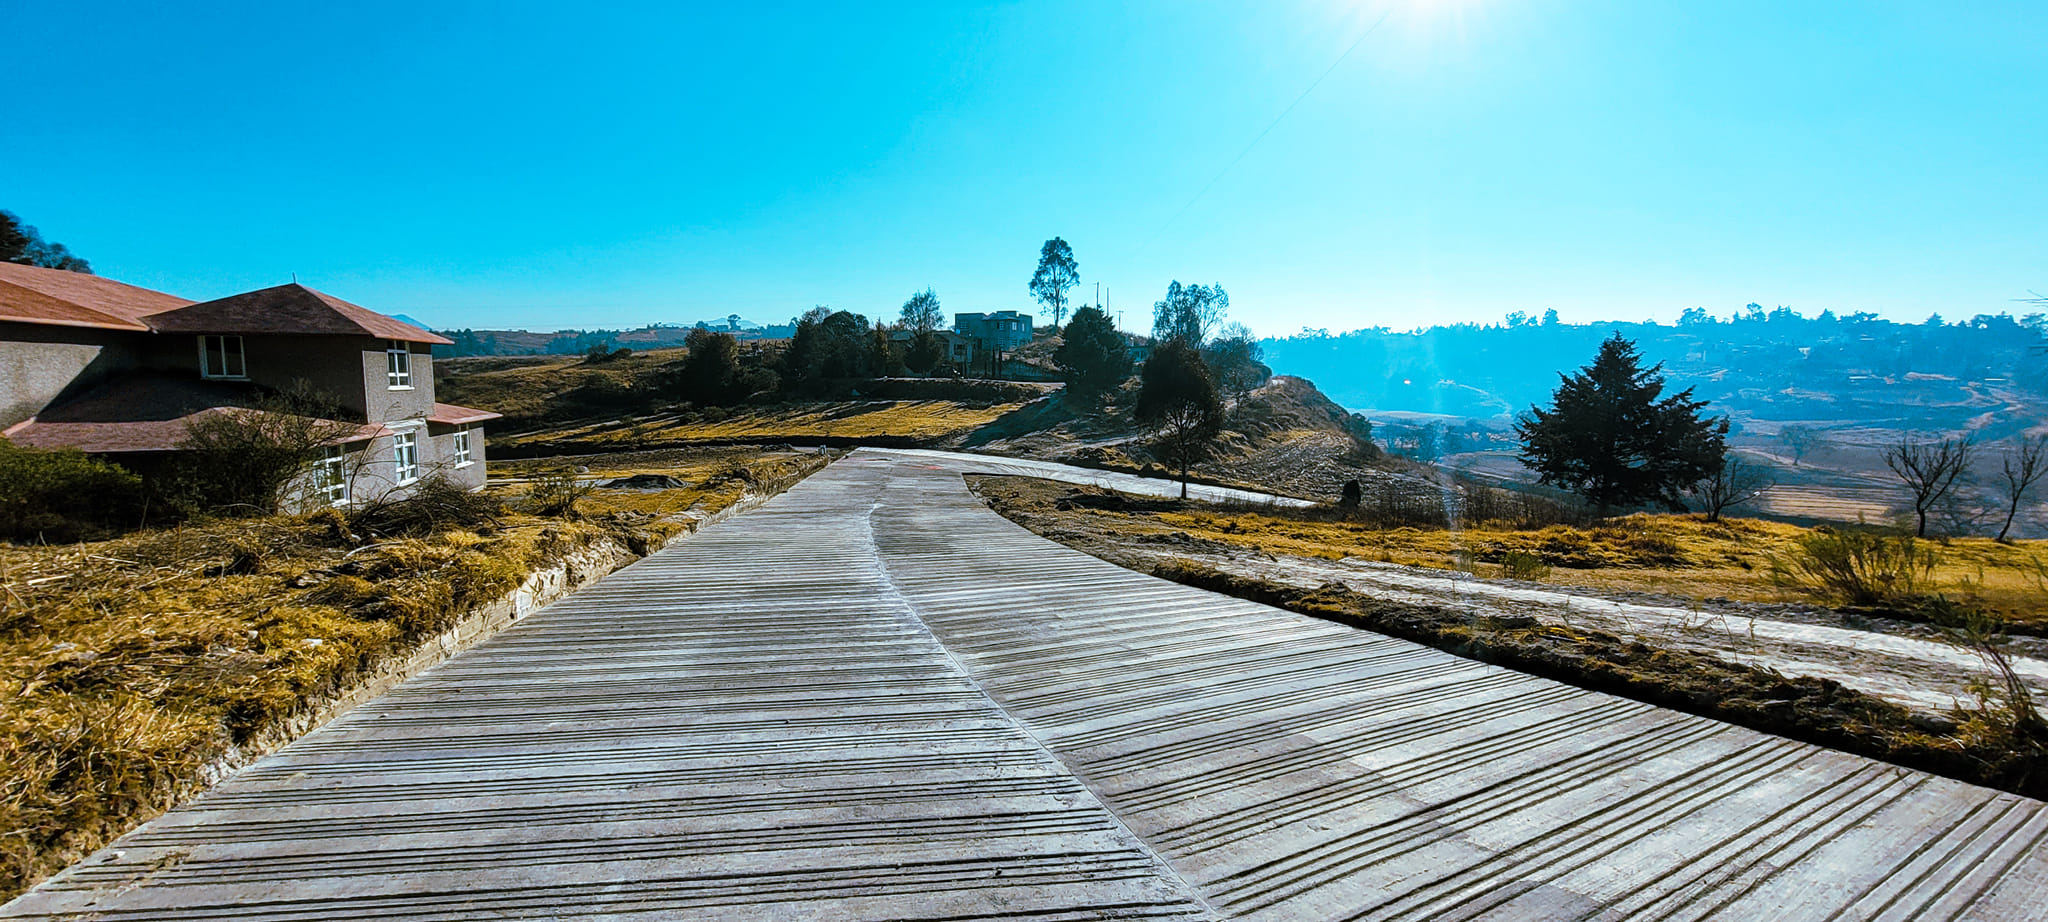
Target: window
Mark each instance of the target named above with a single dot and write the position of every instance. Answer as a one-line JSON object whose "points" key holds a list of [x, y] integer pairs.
{"points": [[458, 447], [398, 364], [405, 447], [331, 476], [221, 357]]}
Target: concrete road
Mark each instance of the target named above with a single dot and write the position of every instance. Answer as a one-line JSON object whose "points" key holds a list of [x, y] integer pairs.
{"points": [[872, 698]]}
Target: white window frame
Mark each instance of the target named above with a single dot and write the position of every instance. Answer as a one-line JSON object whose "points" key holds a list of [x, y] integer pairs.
{"points": [[398, 365], [331, 475], [405, 456], [235, 370], [458, 448]]}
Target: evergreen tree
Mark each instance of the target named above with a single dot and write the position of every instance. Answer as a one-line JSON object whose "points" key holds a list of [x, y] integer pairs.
{"points": [[1178, 396], [1092, 353], [710, 371], [1612, 437], [927, 351]]}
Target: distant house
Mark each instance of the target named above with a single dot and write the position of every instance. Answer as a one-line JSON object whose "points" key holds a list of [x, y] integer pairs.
{"points": [[118, 370], [1001, 331], [959, 347]]}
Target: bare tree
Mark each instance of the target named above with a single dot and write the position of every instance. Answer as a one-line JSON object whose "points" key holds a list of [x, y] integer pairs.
{"points": [[1736, 483], [2022, 466], [921, 313], [1800, 440], [1929, 470]]}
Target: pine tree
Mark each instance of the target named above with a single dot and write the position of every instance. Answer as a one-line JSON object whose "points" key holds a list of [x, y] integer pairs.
{"points": [[1092, 353], [1612, 437]]}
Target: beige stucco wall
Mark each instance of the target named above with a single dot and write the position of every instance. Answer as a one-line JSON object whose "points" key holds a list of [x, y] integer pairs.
{"points": [[388, 403], [39, 364]]}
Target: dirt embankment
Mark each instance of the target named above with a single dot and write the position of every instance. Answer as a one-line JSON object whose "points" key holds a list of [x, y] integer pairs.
{"points": [[1284, 437], [1866, 692]]}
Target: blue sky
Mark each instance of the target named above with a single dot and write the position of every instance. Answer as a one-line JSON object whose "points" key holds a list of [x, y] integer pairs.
{"points": [[604, 165]]}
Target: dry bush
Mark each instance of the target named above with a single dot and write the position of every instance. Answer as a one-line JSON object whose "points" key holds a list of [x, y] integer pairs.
{"points": [[1860, 567], [435, 504], [554, 493]]}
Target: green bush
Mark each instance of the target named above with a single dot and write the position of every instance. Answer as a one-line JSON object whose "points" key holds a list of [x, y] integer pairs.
{"points": [[1523, 565], [1863, 568], [63, 495]]}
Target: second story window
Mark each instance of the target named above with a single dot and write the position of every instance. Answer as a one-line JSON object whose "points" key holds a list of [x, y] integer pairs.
{"points": [[405, 449], [398, 364], [221, 357]]}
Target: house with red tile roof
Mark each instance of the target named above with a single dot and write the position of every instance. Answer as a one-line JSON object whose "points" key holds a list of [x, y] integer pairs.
{"points": [[122, 371]]}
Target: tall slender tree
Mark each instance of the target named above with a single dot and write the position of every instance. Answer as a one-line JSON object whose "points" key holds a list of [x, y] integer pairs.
{"points": [[1057, 272], [1611, 436]]}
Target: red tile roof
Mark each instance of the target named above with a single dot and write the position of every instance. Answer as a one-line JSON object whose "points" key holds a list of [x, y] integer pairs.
{"points": [[449, 414], [30, 294], [143, 412], [292, 308]]}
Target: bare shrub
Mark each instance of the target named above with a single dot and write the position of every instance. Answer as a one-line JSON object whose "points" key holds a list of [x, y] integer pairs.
{"points": [[241, 460], [1735, 483], [554, 493]]}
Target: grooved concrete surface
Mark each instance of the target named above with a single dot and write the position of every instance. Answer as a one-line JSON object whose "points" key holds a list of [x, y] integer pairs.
{"points": [[873, 698]]}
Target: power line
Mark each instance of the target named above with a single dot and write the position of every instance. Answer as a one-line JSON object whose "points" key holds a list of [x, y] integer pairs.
{"points": [[1269, 129]]}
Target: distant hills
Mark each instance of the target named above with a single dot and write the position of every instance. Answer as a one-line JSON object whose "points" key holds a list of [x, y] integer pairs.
{"points": [[1988, 374], [470, 342]]}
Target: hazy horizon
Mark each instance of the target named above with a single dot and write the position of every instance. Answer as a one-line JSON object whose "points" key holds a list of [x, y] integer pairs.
{"points": [[1333, 164]]}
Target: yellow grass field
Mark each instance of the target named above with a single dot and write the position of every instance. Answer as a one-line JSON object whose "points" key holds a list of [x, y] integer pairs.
{"points": [[1679, 555], [910, 419]]}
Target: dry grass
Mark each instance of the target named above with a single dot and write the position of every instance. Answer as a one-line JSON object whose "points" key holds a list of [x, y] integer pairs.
{"points": [[128, 665], [1679, 555], [905, 420]]}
